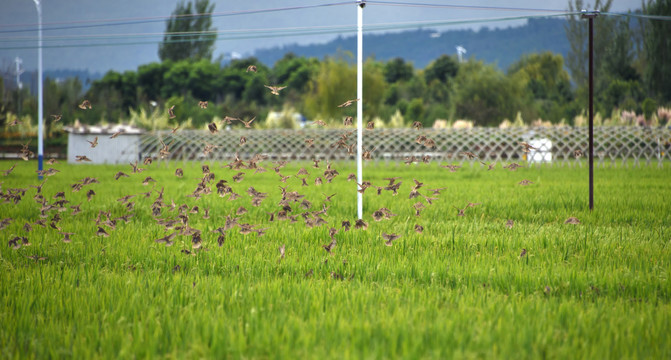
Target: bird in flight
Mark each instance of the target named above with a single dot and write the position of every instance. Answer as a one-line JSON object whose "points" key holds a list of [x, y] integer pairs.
{"points": [[171, 113], [202, 104], [526, 147], [390, 238], [85, 105], [212, 127], [328, 247], [251, 68], [248, 123], [469, 155], [93, 143], [348, 103], [275, 90]]}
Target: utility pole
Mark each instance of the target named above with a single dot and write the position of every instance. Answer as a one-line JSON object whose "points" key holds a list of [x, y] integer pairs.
{"points": [[590, 15], [40, 95], [359, 105]]}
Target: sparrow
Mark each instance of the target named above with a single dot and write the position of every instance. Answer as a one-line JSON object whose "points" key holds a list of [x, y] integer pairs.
{"points": [[275, 90], [526, 147], [281, 250], [390, 238], [212, 127], [510, 223], [328, 247], [469, 155], [85, 105], [248, 123], [348, 103], [572, 220], [93, 143]]}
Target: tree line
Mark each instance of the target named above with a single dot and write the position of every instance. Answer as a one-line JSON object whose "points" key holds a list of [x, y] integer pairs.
{"points": [[631, 68]]}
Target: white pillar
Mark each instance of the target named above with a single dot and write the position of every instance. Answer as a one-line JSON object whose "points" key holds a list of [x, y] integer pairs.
{"points": [[359, 105], [40, 102]]}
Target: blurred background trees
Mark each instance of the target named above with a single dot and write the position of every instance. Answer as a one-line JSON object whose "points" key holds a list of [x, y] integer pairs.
{"points": [[632, 59]]}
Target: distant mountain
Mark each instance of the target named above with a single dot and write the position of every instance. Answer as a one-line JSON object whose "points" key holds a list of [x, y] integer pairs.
{"points": [[500, 46]]}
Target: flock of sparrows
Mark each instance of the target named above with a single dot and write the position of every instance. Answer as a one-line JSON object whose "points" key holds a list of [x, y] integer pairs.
{"points": [[176, 219]]}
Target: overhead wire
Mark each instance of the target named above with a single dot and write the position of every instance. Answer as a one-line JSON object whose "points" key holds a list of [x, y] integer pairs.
{"points": [[244, 34], [457, 6], [143, 20], [257, 33]]}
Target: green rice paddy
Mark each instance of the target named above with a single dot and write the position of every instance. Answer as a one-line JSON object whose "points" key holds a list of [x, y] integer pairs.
{"points": [[459, 289]]}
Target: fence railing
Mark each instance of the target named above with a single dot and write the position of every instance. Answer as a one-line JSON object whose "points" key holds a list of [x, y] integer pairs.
{"points": [[613, 145]]}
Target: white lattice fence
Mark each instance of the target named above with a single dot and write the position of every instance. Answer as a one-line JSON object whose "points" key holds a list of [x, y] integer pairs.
{"points": [[612, 145]]}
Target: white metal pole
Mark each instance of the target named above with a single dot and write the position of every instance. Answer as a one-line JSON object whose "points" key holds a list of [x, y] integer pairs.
{"points": [[359, 105], [40, 102]]}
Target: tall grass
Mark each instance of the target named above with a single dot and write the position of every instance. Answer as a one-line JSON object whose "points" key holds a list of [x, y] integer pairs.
{"points": [[599, 289]]}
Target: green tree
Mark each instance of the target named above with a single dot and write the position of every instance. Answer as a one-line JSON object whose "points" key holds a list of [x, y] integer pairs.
{"points": [[176, 79], [397, 70], [150, 80], [333, 84], [442, 69], [294, 72], [577, 33], [201, 79], [485, 95], [112, 96], [657, 50], [547, 85], [189, 33], [415, 111]]}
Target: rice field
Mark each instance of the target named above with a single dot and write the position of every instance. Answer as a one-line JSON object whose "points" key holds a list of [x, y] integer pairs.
{"points": [[504, 278]]}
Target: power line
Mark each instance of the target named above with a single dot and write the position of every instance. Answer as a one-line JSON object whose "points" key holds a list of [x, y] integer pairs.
{"points": [[143, 20], [454, 6], [640, 16], [242, 34]]}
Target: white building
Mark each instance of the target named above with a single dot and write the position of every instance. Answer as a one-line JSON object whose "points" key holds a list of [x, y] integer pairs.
{"points": [[123, 149]]}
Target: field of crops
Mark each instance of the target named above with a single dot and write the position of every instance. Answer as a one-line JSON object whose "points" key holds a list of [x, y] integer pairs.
{"points": [[504, 278]]}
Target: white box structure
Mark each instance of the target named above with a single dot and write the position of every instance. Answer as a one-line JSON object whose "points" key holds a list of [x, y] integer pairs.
{"points": [[123, 149], [543, 152]]}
